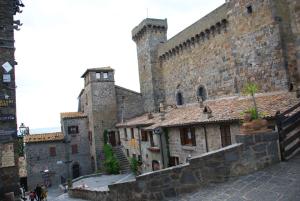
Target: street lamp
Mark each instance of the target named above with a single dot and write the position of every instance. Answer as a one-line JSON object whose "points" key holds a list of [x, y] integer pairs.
{"points": [[23, 129]]}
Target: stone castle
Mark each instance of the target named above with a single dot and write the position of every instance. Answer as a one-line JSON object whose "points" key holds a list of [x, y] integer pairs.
{"points": [[208, 62]]}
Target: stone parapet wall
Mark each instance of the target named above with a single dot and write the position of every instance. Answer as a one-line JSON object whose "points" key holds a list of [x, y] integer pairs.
{"points": [[255, 152]]}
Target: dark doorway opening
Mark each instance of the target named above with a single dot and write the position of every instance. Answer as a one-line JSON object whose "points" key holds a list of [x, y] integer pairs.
{"points": [[76, 170], [112, 138], [155, 165]]}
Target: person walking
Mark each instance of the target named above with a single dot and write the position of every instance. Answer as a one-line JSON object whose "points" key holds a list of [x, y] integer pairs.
{"points": [[38, 191], [32, 195]]}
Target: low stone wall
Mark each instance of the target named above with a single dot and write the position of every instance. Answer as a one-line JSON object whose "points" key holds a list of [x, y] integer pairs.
{"points": [[253, 152]]}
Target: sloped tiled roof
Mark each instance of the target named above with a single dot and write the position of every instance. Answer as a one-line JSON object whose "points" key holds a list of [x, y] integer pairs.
{"points": [[72, 115], [44, 137], [223, 109]]}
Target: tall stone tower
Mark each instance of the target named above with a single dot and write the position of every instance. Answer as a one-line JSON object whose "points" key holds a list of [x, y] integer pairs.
{"points": [[100, 104], [147, 36], [9, 176]]}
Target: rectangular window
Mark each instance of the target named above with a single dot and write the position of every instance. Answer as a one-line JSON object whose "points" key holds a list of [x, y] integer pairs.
{"points": [[105, 75], [187, 136], [74, 149], [134, 156], [132, 133], [139, 158], [144, 135], [125, 134], [225, 135], [52, 151], [151, 139], [72, 129], [127, 152], [98, 76]]}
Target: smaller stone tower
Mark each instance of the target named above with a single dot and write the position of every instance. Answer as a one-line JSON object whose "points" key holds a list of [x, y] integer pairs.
{"points": [[147, 36], [100, 105]]}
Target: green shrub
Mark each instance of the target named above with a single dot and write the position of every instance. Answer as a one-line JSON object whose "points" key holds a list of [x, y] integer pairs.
{"points": [[111, 163], [134, 165]]}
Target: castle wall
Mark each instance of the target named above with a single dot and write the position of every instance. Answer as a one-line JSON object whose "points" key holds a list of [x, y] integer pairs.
{"points": [[129, 103], [81, 139], [38, 159], [241, 41], [205, 63]]}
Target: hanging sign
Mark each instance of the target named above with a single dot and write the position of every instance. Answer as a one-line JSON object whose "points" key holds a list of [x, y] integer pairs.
{"points": [[7, 67], [8, 157], [6, 78], [7, 117], [7, 102]]}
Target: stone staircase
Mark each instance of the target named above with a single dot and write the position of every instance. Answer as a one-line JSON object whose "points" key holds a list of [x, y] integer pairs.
{"points": [[124, 163]]}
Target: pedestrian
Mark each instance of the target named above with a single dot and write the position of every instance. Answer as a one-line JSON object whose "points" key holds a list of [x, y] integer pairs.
{"points": [[38, 191], [44, 193], [32, 195]]}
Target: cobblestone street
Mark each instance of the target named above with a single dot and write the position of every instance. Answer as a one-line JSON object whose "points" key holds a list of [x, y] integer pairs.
{"points": [[280, 182]]}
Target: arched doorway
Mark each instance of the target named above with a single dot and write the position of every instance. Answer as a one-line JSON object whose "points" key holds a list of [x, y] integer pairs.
{"points": [[75, 170], [155, 165]]}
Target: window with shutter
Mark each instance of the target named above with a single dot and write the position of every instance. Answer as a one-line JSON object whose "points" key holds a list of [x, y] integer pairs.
{"points": [[72, 129], [144, 136], [225, 135], [187, 136], [74, 149], [52, 151]]}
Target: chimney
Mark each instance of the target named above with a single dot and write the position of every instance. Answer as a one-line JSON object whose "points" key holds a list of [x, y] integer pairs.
{"points": [[150, 115], [161, 112], [207, 112]]}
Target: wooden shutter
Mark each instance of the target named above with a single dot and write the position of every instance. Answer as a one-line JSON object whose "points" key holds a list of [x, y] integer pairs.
{"points": [[225, 135], [52, 151], [193, 136]]}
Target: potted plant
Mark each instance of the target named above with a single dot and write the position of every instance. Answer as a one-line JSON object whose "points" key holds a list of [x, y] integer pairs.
{"points": [[253, 121]]}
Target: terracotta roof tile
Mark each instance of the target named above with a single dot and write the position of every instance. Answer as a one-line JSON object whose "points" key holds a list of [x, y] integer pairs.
{"points": [[72, 115], [223, 109], [44, 137]]}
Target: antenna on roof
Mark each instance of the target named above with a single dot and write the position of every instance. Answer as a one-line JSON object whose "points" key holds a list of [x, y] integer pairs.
{"points": [[147, 12]]}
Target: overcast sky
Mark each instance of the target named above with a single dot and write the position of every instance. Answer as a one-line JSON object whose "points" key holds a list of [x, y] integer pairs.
{"points": [[60, 39]]}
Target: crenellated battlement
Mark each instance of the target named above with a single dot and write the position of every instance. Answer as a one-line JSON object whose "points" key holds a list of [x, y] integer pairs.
{"points": [[149, 24], [207, 27]]}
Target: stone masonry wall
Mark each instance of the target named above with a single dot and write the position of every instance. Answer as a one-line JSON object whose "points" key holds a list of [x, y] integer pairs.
{"points": [[8, 128], [81, 139], [38, 159], [253, 153], [129, 103], [213, 140], [148, 35]]}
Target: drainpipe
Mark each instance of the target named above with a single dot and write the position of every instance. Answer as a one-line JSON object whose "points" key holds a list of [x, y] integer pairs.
{"points": [[140, 133], [162, 150], [205, 134]]}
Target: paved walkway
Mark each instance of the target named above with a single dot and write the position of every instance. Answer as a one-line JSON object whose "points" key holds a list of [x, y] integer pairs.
{"points": [[280, 182], [97, 183]]}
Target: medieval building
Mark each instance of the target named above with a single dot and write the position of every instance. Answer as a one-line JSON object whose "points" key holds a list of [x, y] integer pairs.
{"points": [[8, 126], [191, 85]]}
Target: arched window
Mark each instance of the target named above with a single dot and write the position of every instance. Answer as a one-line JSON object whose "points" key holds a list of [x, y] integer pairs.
{"points": [[179, 98], [201, 93]]}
